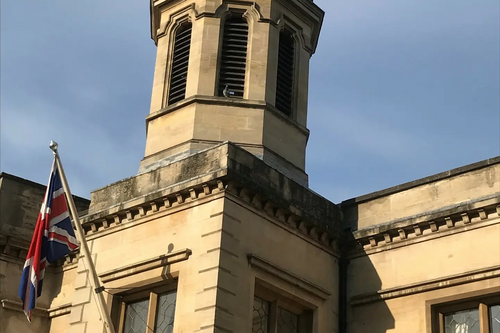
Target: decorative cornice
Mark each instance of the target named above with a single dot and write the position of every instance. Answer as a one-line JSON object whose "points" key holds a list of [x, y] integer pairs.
{"points": [[310, 13], [421, 227], [110, 218], [288, 277], [145, 265], [106, 222], [216, 100], [38, 311], [420, 287], [13, 249], [327, 238], [237, 179]]}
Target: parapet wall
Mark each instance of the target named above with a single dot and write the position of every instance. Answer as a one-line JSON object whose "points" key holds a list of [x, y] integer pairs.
{"points": [[437, 192]]}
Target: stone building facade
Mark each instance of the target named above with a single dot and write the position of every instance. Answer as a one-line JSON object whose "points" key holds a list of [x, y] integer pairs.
{"points": [[219, 232]]}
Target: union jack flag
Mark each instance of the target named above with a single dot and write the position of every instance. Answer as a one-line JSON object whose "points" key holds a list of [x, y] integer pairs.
{"points": [[53, 238]]}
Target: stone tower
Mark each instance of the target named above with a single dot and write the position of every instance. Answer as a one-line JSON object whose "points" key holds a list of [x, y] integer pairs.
{"points": [[259, 52]]}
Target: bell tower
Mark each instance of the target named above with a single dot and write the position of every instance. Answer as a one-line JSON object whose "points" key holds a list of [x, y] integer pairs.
{"points": [[232, 71]]}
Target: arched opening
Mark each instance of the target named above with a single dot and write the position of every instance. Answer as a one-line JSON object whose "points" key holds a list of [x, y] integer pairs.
{"points": [[180, 61], [285, 79], [232, 66]]}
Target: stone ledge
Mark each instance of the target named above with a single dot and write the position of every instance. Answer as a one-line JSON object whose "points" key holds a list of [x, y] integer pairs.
{"points": [[429, 285], [145, 265], [239, 102], [288, 277], [38, 311], [60, 310]]}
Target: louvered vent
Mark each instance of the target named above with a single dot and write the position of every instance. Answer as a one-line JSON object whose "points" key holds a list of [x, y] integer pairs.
{"points": [[233, 56], [177, 91], [284, 82]]}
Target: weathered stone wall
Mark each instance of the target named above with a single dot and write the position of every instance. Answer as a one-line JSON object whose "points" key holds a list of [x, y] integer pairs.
{"points": [[198, 204], [424, 195], [245, 232], [420, 243], [220, 232], [20, 202]]}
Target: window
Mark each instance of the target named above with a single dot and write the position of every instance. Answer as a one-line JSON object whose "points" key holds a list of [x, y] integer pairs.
{"points": [[279, 316], [481, 315], [233, 58], [180, 60], [148, 312], [285, 79]]}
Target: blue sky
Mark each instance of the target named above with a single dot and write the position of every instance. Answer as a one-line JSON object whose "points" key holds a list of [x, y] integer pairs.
{"points": [[399, 90]]}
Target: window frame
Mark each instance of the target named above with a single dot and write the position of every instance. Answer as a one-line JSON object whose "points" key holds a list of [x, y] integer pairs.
{"points": [[151, 293], [482, 303], [276, 301]]}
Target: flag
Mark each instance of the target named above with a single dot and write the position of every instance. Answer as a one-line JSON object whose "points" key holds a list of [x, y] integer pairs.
{"points": [[53, 238]]}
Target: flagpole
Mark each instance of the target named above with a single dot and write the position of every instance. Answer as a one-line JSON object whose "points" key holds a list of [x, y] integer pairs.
{"points": [[94, 280]]}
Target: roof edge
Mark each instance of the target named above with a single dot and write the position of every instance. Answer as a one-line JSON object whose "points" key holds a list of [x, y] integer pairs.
{"points": [[421, 181], [33, 184]]}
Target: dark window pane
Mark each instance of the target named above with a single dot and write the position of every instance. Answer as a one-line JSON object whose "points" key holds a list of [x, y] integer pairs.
{"points": [[466, 321], [260, 316], [166, 312], [287, 322], [136, 315], [495, 319]]}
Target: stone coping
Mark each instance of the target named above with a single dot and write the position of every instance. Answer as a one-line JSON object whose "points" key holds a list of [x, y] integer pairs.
{"points": [[419, 182]]}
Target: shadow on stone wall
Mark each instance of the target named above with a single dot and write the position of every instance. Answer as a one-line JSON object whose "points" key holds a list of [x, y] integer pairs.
{"points": [[166, 275], [359, 277]]}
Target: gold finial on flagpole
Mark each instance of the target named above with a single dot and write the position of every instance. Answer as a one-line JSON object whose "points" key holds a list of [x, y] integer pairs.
{"points": [[53, 145]]}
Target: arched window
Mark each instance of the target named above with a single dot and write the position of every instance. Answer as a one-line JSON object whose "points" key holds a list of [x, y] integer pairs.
{"points": [[233, 56], [180, 60], [285, 79]]}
